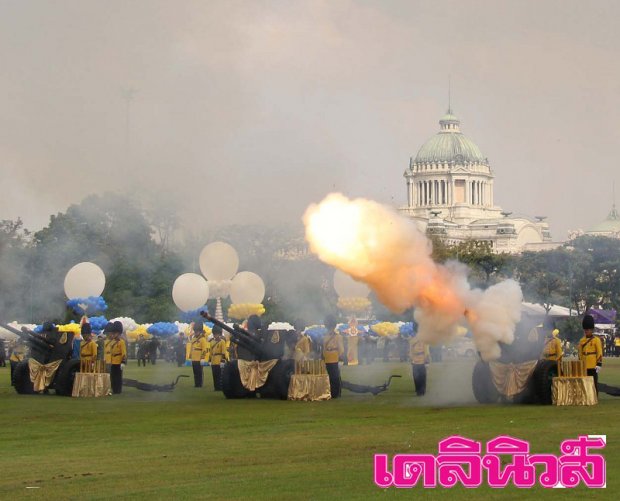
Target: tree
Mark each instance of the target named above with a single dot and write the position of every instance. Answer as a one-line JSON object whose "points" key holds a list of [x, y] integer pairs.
{"points": [[542, 277], [15, 249], [111, 231]]}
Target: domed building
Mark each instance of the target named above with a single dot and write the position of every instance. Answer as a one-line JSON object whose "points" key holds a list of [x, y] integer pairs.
{"points": [[450, 194], [610, 227]]}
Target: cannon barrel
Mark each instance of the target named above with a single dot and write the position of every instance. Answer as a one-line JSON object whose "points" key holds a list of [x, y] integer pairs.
{"points": [[239, 335], [215, 321], [28, 336]]}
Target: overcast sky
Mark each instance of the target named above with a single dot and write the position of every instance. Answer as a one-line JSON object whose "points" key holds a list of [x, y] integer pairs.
{"points": [[249, 111]]}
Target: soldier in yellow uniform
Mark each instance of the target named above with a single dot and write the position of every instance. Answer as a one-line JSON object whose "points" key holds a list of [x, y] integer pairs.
{"points": [[88, 347], [617, 345], [302, 348], [17, 355], [419, 354], [199, 347], [118, 357], [219, 355], [591, 349], [553, 347], [333, 350], [107, 332]]}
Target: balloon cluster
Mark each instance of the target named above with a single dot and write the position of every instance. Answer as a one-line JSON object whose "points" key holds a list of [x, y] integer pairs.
{"points": [[353, 304], [97, 323], [90, 304], [406, 329], [244, 310], [190, 316], [140, 330], [344, 329], [70, 327], [280, 326], [129, 323], [163, 329], [385, 329], [316, 332], [352, 295]]}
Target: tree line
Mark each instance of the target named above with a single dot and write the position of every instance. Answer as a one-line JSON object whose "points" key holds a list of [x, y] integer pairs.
{"points": [[143, 250]]}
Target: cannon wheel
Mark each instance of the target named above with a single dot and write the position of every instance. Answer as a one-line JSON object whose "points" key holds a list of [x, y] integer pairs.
{"points": [[482, 384], [21, 379], [65, 377], [543, 376], [278, 381], [231, 382]]}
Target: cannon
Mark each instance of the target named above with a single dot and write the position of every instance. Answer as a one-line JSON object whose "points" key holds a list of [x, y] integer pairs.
{"points": [[47, 347], [522, 360], [254, 349], [262, 348]]}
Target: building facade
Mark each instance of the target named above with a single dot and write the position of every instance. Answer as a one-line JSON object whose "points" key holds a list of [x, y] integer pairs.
{"points": [[450, 195]]}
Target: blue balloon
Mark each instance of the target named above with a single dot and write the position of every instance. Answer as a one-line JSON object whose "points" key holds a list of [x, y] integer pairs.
{"points": [[191, 316], [407, 329], [316, 332], [87, 305], [163, 329], [97, 323]]}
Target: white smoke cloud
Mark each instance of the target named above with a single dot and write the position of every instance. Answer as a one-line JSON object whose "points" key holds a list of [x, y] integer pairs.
{"points": [[378, 246]]}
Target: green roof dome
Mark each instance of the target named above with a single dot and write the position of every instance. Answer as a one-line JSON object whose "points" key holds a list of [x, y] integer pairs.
{"points": [[450, 145], [610, 225]]}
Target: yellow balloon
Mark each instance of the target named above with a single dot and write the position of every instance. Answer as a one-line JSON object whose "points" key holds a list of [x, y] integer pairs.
{"points": [[241, 311]]}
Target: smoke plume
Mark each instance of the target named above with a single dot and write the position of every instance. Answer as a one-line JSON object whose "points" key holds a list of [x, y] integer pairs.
{"points": [[376, 245]]}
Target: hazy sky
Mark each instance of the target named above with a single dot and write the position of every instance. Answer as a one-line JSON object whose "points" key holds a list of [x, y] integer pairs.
{"points": [[248, 111]]}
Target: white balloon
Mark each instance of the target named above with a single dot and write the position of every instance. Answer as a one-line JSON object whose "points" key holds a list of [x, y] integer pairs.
{"points": [[247, 287], [84, 280], [190, 291], [129, 324], [219, 261], [347, 287]]}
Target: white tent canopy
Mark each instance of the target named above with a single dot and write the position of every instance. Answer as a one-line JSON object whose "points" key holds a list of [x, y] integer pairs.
{"points": [[538, 310]]}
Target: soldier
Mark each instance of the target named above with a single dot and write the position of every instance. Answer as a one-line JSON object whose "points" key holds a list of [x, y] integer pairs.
{"points": [[591, 349], [198, 351], [88, 347], [553, 346], [17, 355], [254, 327], [142, 350], [153, 346], [179, 350], [100, 346], [107, 332], [2, 353], [419, 355], [333, 350], [302, 347], [218, 356], [118, 357]]}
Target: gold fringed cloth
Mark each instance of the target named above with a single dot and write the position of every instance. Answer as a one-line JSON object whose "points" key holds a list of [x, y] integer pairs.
{"points": [[41, 375], [352, 351], [511, 379], [309, 387], [91, 385], [253, 374], [573, 391]]}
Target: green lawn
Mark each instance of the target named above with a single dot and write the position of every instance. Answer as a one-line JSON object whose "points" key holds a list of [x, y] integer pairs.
{"points": [[193, 443]]}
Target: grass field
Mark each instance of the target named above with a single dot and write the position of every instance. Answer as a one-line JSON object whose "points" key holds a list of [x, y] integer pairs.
{"points": [[193, 443]]}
